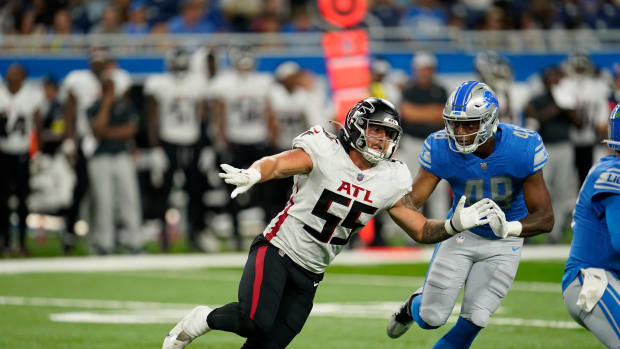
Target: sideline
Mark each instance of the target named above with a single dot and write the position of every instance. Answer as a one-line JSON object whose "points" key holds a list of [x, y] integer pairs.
{"points": [[183, 261]]}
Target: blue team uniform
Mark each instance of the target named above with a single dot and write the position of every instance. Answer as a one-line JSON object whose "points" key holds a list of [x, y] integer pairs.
{"points": [[591, 246], [518, 154]]}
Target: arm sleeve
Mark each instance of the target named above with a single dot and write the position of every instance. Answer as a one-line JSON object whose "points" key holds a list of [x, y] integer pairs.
{"points": [[612, 207], [540, 154]]}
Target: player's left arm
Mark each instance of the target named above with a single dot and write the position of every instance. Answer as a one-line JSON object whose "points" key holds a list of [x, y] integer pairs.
{"points": [[428, 231], [540, 213]]}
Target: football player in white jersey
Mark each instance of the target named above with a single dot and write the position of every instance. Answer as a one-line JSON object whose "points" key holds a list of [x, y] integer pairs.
{"points": [[18, 116], [174, 104], [246, 127], [340, 183], [79, 90]]}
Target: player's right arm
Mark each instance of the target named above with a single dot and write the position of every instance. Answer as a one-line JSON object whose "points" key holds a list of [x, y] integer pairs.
{"points": [[284, 164]]}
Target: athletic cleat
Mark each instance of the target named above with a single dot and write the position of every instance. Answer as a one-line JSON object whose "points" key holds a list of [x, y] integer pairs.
{"points": [[401, 320], [189, 328]]}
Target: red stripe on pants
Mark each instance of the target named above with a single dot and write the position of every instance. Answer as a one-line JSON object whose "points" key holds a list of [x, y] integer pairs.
{"points": [[258, 278]]}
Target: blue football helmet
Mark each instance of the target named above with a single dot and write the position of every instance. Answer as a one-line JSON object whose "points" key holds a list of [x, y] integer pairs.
{"points": [[373, 111], [613, 142], [471, 102]]}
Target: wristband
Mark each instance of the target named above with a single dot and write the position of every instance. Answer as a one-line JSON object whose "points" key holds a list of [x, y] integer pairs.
{"points": [[449, 227]]}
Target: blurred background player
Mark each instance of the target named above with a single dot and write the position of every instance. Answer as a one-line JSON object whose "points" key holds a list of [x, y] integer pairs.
{"points": [[560, 174], [480, 158], [246, 126], [79, 90], [380, 84], [52, 177], [421, 107], [295, 110], [590, 284], [174, 104], [115, 194], [496, 71], [19, 118], [584, 89]]}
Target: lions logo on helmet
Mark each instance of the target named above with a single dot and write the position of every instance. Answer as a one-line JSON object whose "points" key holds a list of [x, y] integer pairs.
{"points": [[613, 142], [373, 111], [471, 103]]}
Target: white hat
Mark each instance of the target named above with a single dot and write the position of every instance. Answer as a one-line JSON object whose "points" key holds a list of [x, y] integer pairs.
{"points": [[286, 69], [424, 59], [380, 66]]}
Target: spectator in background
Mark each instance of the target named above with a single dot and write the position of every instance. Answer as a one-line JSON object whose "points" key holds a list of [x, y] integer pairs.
{"points": [[560, 174], [40, 15], [301, 22], [109, 23], [421, 110], [386, 12], [614, 96], [19, 117], [62, 23], [137, 23], [191, 20], [425, 18], [113, 121], [240, 13]]}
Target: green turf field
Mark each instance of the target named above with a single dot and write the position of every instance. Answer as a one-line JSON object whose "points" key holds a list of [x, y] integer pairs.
{"points": [[83, 310]]}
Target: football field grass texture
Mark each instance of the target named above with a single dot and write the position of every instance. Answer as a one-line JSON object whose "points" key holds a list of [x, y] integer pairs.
{"points": [[135, 309]]}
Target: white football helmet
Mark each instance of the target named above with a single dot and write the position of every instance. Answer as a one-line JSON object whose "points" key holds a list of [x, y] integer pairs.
{"points": [[472, 102]]}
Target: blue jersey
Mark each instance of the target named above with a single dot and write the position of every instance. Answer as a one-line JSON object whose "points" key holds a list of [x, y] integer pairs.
{"points": [[518, 154], [591, 246]]}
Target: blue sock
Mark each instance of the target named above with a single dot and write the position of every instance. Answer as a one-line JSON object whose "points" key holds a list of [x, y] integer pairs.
{"points": [[459, 337], [415, 313]]}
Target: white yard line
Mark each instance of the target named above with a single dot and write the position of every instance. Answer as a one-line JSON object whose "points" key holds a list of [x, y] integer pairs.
{"points": [[157, 312], [167, 262]]}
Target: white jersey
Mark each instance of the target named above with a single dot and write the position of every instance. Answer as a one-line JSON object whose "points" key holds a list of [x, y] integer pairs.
{"points": [[17, 118], [245, 98], [291, 110], [588, 96], [332, 202], [179, 97], [86, 89]]}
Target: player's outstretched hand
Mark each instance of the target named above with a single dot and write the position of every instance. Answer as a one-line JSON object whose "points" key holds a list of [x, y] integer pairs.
{"points": [[500, 226], [465, 218], [243, 179]]}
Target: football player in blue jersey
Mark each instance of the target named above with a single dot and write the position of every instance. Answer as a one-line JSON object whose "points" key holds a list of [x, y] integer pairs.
{"points": [[590, 284], [480, 158]]}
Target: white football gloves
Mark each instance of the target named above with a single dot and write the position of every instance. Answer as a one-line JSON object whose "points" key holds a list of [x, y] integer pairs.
{"points": [[243, 179], [502, 228], [465, 218]]}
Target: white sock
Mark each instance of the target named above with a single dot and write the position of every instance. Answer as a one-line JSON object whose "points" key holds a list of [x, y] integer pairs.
{"points": [[195, 323]]}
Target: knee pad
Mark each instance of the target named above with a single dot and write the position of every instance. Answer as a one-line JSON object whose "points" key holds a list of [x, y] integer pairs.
{"points": [[480, 318], [432, 317]]}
